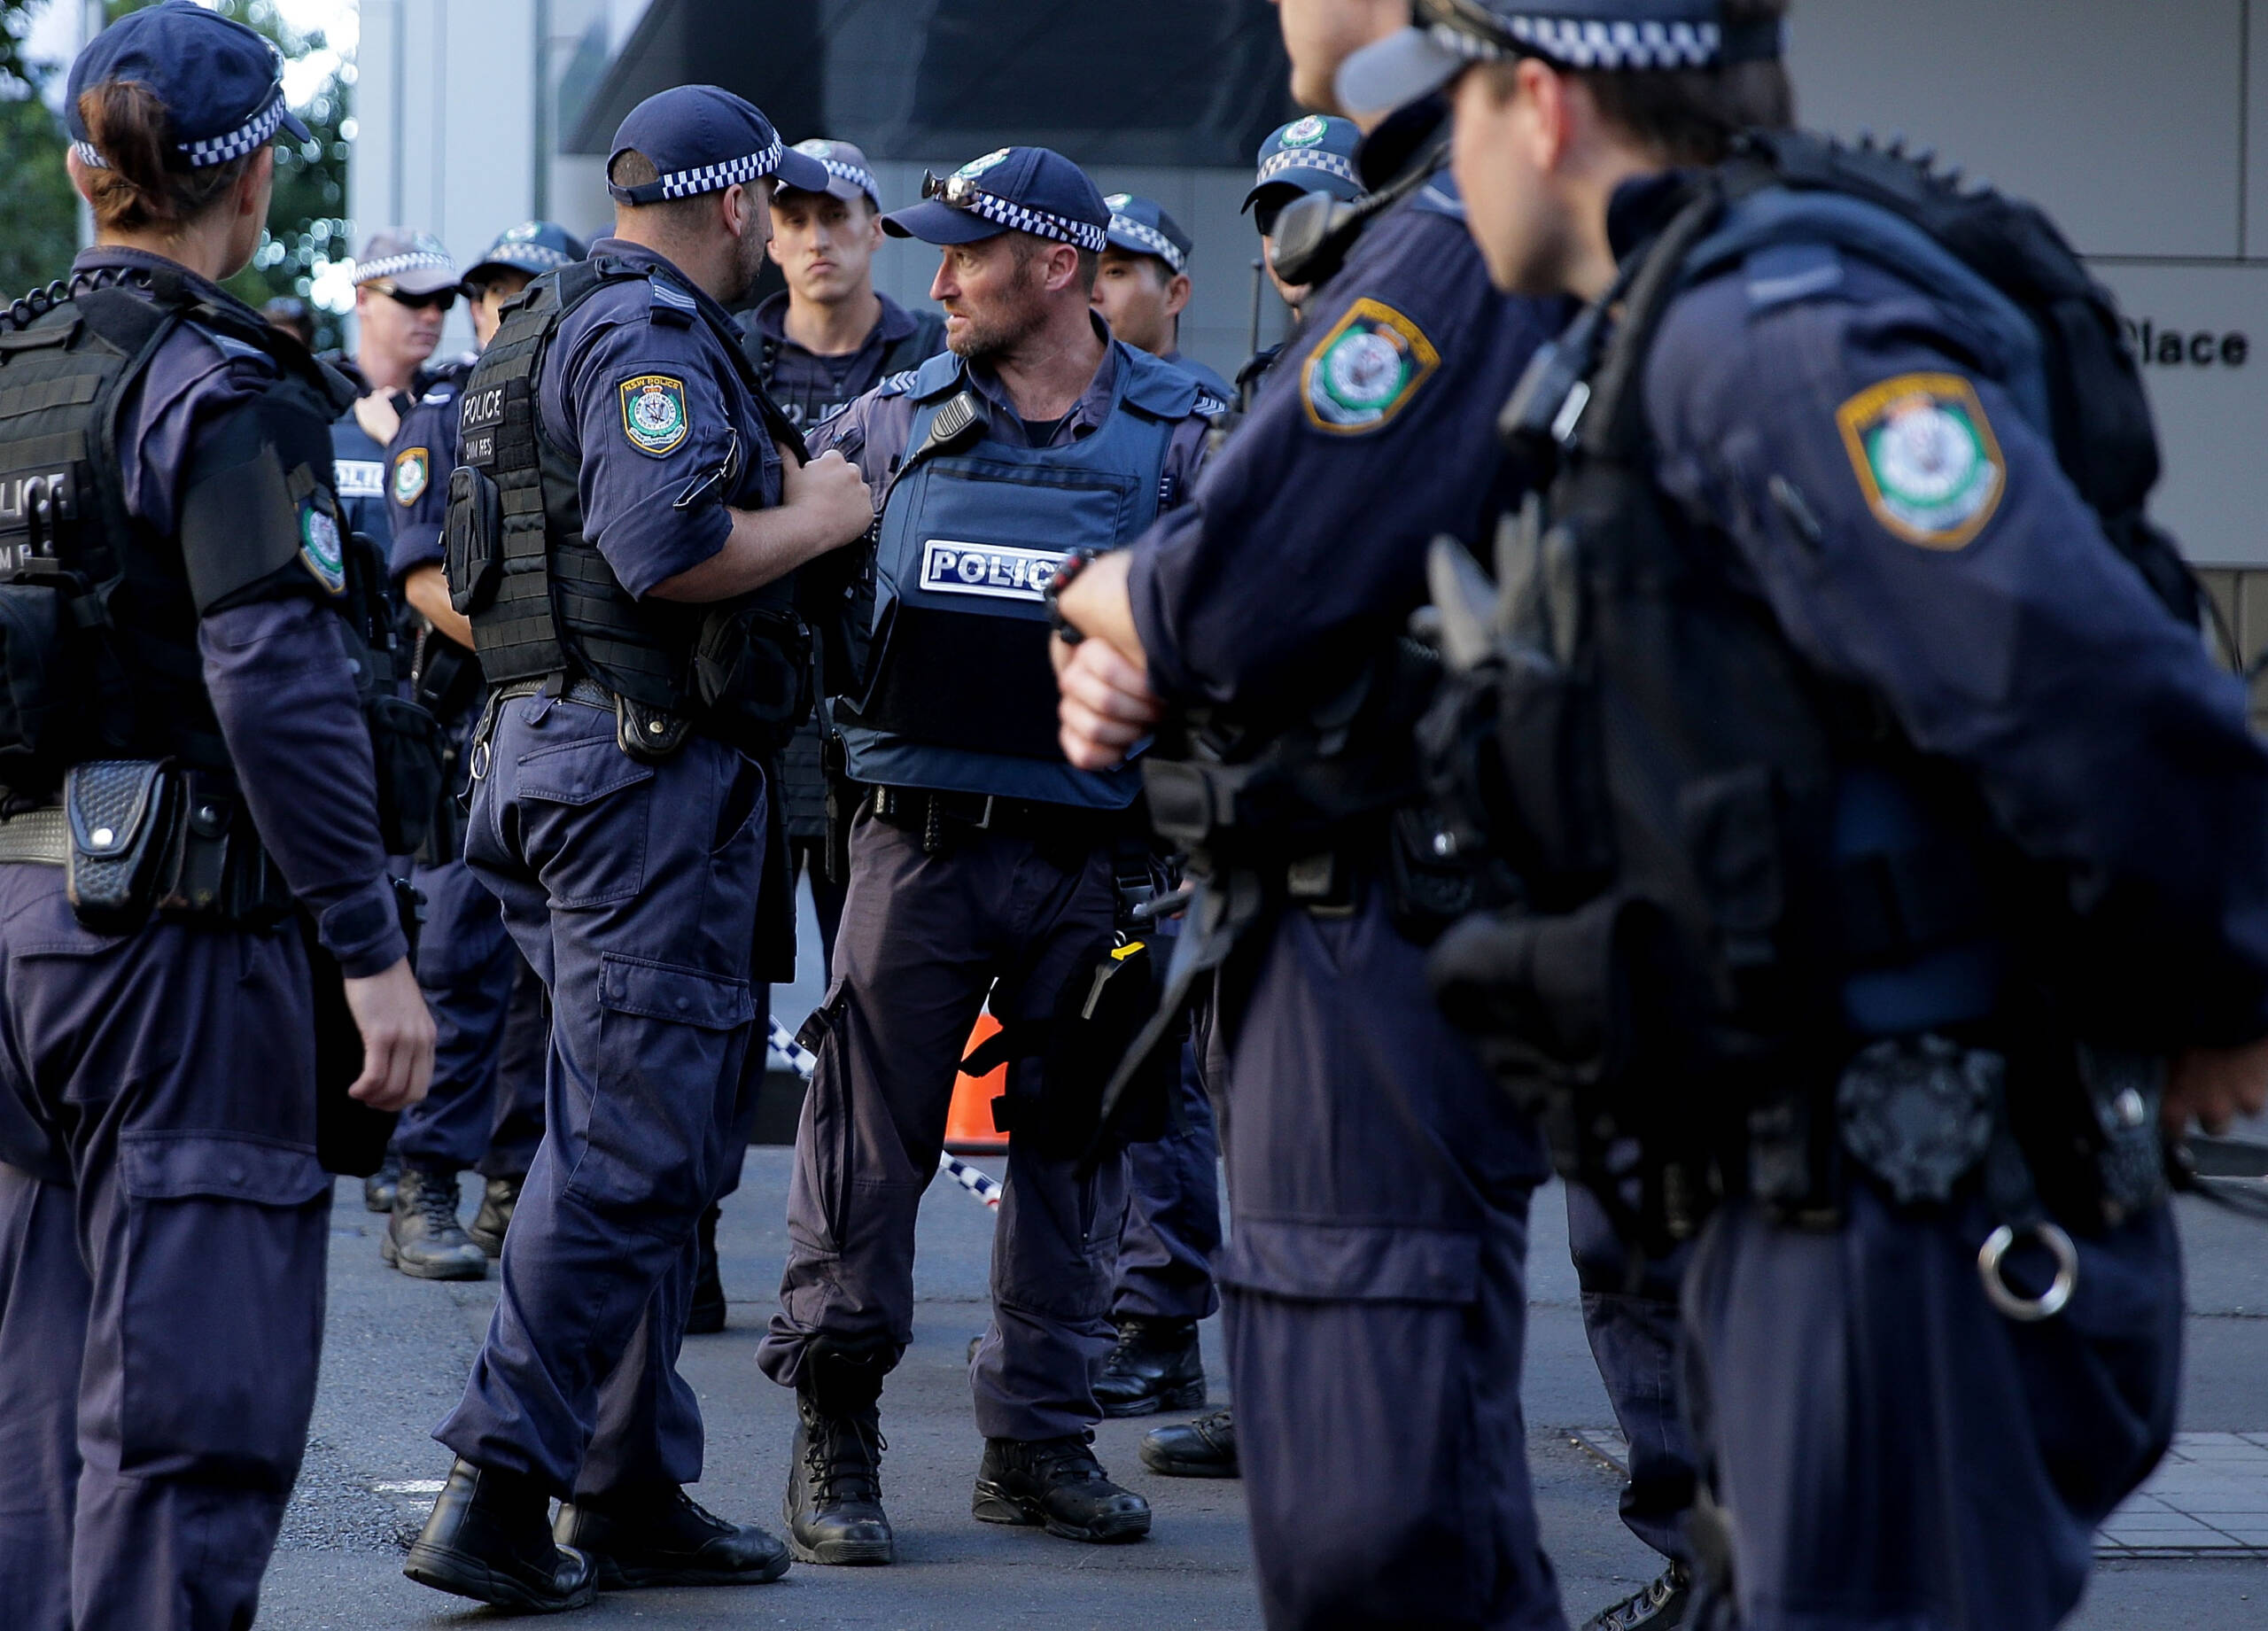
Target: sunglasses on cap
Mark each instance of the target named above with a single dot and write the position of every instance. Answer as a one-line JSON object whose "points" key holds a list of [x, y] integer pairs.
{"points": [[439, 299], [959, 192]]}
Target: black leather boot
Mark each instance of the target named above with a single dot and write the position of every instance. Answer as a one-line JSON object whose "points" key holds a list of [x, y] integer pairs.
{"points": [[833, 1506], [1157, 1366], [706, 1315], [497, 1203], [489, 1539], [1206, 1448], [1059, 1484], [423, 1239], [1661, 1606], [378, 1189], [659, 1535]]}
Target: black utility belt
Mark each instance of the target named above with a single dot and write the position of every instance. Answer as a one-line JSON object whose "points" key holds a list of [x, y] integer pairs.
{"points": [[648, 734], [942, 818], [589, 692], [136, 837]]}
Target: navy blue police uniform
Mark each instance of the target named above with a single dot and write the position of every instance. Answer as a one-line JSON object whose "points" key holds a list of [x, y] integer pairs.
{"points": [[163, 1215], [416, 264], [1378, 1187], [485, 1107], [623, 814], [1141, 227], [1846, 438], [982, 860]]}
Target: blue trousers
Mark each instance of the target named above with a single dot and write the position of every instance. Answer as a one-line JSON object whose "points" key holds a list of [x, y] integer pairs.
{"points": [[163, 1228], [485, 1108], [631, 890], [1375, 1289], [1633, 1331], [1894, 1454], [1172, 1230]]}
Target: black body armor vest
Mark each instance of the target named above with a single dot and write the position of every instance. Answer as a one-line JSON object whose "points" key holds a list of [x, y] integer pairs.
{"points": [[540, 597]]}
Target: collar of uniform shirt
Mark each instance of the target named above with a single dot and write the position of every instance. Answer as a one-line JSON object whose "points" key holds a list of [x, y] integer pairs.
{"points": [[638, 255], [118, 257], [1091, 408]]}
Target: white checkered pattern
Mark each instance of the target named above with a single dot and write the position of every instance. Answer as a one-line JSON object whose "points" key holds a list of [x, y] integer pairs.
{"points": [[394, 266], [1041, 223], [1584, 43], [1309, 158], [717, 177], [862, 180], [249, 138], [1152, 240]]}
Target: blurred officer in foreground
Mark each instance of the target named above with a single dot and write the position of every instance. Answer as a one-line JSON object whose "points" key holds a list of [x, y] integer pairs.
{"points": [[1314, 153], [163, 1215], [1143, 286], [487, 1105], [981, 861], [404, 286], [1374, 1279], [622, 815], [1924, 812]]}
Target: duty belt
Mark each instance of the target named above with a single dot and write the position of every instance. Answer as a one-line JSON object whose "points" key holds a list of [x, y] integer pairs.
{"points": [[589, 692], [40, 837], [939, 816]]}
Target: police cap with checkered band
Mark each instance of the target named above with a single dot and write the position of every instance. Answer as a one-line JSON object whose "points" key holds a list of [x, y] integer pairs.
{"points": [[1032, 189], [703, 138], [222, 83], [1313, 154], [1141, 227], [1588, 35]]}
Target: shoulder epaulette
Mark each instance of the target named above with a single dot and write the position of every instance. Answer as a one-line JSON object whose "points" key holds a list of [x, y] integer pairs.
{"points": [[670, 304]]}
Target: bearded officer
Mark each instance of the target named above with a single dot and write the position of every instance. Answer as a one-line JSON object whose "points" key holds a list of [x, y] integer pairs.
{"points": [[648, 660], [980, 860]]}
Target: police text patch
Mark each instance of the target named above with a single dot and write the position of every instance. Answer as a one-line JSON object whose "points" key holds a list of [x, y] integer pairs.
{"points": [[654, 417], [412, 470], [999, 571], [322, 551], [1366, 370], [1926, 458]]}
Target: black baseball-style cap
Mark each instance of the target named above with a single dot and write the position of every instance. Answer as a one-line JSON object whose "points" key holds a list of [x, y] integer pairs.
{"points": [[1141, 227], [703, 138], [1033, 190], [1592, 35], [222, 83]]}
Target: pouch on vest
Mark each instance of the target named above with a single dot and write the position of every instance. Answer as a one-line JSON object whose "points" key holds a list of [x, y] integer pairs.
{"points": [[752, 676], [472, 542], [121, 815]]}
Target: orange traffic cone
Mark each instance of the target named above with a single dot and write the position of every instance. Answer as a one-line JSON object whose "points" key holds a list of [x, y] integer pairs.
{"points": [[968, 1125]]}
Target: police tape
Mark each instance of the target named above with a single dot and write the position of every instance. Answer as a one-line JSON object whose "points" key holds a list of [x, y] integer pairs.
{"points": [[975, 1180]]}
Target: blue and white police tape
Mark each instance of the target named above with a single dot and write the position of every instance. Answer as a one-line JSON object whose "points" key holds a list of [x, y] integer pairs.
{"points": [[977, 1181]]}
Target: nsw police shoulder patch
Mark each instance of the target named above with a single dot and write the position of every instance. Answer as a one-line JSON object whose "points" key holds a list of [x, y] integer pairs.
{"points": [[322, 550], [1367, 369], [1926, 458], [413, 468], [654, 417]]}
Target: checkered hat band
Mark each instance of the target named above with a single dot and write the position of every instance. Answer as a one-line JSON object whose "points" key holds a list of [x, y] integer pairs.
{"points": [[533, 257], [1156, 242], [717, 177], [1309, 159], [863, 180], [394, 266], [249, 138], [1585, 43], [1041, 223]]}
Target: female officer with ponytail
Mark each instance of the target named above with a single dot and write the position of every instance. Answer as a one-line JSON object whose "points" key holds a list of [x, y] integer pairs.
{"points": [[172, 580]]}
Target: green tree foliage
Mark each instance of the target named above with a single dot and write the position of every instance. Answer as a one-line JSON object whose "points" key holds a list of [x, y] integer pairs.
{"points": [[307, 224]]}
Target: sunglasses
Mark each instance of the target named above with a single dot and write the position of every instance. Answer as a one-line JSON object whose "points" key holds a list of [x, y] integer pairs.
{"points": [[959, 192], [440, 300]]}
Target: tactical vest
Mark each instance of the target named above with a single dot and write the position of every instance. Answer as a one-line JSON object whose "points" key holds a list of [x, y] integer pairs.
{"points": [[959, 695], [543, 599], [1738, 873], [98, 613]]}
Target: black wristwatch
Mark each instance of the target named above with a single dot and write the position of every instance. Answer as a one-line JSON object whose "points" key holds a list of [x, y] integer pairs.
{"points": [[1073, 563]]}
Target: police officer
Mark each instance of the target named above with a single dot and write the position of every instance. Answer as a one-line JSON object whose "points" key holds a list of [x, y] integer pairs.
{"points": [[646, 659], [1374, 1279], [980, 862], [405, 284], [1144, 285], [486, 1104], [163, 1217], [2001, 898]]}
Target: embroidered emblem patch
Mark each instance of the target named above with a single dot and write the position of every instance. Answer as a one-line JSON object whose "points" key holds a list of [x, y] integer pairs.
{"points": [[653, 413], [1118, 200], [976, 167], [816, 149], [1366, 370], [1926, 458], [411, 471], [322, 551], [1305, 133]]}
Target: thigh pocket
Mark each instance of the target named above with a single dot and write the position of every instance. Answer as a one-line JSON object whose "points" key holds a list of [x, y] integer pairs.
{"points": [[219, 1301], [1318, 1261], [584, 807], [672, 1042]]}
